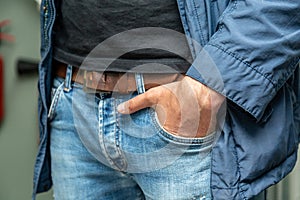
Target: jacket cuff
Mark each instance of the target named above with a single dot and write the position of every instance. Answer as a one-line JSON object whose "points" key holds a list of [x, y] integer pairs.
{"points": [[225, 73]]}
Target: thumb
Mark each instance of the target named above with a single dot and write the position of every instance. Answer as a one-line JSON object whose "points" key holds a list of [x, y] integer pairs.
{"points": [[139, 102]]}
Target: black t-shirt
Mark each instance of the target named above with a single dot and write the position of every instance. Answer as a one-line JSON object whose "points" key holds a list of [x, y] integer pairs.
{"points": [[82, 25]]}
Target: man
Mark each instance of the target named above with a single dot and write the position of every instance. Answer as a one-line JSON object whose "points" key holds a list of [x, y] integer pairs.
{"points": [[249, 56]]}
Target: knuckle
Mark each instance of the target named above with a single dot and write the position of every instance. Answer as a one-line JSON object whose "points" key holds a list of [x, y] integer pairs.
{"points": [[130, 105]]}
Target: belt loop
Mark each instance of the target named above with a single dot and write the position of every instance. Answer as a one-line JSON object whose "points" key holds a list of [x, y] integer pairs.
{"points": [[68, 79], [139, 79]]}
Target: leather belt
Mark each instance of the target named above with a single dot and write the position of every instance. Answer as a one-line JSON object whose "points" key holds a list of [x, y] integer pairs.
{"points": [[113, 81]]}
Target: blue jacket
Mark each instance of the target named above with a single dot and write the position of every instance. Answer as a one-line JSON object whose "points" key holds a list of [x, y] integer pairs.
{"points": [[255, 47]]}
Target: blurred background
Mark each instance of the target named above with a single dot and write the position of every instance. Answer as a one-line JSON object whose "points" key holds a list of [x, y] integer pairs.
{"points": [[19, 127]]}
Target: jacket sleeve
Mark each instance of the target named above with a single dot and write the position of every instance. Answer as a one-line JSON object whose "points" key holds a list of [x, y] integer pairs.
{"points": [[253, 52]]}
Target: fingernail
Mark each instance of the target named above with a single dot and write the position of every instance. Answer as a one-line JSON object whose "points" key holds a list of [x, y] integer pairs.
{"points": [[121, 108]]}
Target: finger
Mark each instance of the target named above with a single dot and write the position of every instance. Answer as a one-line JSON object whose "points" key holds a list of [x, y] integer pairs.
{"points": [[139, 102]]}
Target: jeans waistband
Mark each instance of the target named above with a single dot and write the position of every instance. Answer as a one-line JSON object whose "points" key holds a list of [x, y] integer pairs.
{"points": [[112, 81]]}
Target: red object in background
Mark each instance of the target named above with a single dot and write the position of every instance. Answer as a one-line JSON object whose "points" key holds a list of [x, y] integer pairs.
{"points": [[9, 38], [4, 36], [1, 90]]}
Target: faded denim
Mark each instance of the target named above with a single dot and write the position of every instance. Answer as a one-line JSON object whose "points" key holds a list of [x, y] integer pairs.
{"points": [[97, 153]]}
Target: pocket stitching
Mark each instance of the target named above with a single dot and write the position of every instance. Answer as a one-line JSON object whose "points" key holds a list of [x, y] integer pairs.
{"points": [[54, 101], [205, 141]]}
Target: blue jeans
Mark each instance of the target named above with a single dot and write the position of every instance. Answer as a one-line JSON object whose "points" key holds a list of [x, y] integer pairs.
{"points": [[97, 153]]}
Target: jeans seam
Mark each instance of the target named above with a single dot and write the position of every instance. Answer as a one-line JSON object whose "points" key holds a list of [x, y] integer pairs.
{"points": [[100, 135], [117, 136], [55, 100], [102, 142]]}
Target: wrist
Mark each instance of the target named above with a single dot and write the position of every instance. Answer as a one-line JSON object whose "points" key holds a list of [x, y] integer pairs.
{"points": [[216, 99]]}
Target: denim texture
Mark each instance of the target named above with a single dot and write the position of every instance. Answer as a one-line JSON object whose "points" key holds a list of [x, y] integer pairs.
{"points": [[97, 153], [257, 61]]}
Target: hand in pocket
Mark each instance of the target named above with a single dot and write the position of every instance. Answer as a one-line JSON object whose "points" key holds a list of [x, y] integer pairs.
{"points": [[184, 108]]}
